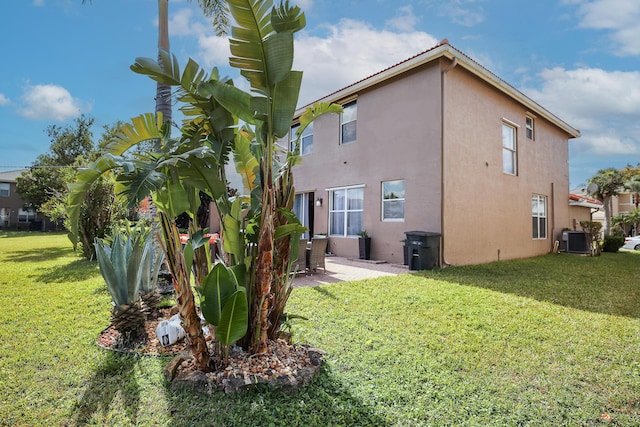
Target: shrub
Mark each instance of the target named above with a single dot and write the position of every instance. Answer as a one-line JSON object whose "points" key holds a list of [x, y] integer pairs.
{"points": [[612, 243]]}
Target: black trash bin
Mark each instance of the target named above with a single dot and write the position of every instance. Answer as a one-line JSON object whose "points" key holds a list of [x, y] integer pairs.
{"points": [[423, 248]]}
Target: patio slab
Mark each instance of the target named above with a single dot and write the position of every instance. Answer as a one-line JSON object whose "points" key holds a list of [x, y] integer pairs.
{"points": [[345, 269]]}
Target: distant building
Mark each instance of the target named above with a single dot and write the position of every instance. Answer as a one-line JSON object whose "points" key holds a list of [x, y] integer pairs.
{"points": [[12, 213]]}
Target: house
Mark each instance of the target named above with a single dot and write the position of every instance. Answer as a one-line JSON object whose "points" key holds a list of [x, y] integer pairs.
{"points": [[621, 204], [12, 214], [582, 208], [436, 143]]}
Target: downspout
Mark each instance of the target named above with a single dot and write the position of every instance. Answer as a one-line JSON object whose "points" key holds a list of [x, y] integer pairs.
{"points": [[442, 261], [553, 215]]}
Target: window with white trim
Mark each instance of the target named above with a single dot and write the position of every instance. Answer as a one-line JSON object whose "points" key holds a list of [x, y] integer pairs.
{"points": [[26, 215], [539, 216], [528, 126], [5, 188], [348, 121], [346, 209], [306, 140], [509, 150], [393, 200]]}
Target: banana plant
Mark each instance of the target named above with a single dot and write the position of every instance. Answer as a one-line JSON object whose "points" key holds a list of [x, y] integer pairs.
{"points": [[224, 303]]}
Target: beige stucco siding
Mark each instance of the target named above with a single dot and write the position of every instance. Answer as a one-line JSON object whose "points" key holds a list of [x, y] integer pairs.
{"points": [[397, 139], [487, 213]]}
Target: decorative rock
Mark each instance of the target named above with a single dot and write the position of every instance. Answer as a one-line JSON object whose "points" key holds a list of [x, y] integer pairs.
{"points": [[284, 366]]}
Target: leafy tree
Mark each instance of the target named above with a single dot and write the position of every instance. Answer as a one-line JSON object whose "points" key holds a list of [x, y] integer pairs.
{"points": [[607, 183], [46, 176]]}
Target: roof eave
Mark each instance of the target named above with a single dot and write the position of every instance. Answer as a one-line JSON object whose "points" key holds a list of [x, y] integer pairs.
{"points": [[447, 51]]}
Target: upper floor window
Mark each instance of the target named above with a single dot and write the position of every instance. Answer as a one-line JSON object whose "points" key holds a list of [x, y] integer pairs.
{"points": [[539, 216], [393, 200], [346, 209], [306, 140], [348, 120], [529, 130], [509, 150], [4, 189]]}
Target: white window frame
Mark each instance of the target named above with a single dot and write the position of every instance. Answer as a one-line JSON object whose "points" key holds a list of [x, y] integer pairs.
{"points": [[509, 148], [529, 127], [351, 118], [26, 215], [5, 189], [537, 217], [300, 209], [385, 200], [306, 140], [346, 211]]}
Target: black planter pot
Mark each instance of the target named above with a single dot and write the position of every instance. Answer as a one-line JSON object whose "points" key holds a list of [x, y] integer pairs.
{"points": [[365, 247]]}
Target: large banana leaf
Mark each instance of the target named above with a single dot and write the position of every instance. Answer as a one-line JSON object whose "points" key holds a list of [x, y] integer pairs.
{"points": [[234, 320], [247, 164], [216, 290], [262, 52], [146, 127]]}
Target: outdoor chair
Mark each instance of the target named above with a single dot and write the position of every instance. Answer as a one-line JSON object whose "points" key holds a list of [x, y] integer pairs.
{"points": [[318, 249], [300, 264]]}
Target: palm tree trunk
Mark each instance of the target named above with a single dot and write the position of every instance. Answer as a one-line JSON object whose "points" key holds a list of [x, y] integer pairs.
{"points": [[163, 92]]}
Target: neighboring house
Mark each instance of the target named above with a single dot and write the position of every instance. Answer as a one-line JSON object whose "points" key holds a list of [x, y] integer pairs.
{"points": [[621, 204], [12, 214], [582, 208], [436, 143]]}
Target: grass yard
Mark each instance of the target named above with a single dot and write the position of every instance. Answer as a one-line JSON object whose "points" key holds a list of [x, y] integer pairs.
{"points": [[553, 340]]}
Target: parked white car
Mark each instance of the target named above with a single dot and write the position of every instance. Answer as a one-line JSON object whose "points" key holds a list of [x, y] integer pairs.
{"points": [[632, 243]]}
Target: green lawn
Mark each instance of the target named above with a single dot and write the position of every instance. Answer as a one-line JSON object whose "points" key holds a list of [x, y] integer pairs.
{"points": [[553, 340]]}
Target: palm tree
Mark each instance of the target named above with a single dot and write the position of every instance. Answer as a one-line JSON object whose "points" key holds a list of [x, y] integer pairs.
{"points": [[215, 9], [633, 185], [604, 185]]}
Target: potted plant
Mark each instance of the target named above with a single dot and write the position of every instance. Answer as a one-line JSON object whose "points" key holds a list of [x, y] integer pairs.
{"points": [[364, 242]]}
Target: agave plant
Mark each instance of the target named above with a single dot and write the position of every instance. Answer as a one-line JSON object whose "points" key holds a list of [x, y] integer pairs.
{"points": [[123, 264]]}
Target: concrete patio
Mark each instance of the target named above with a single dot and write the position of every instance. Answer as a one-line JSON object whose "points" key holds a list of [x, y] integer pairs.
{"points": [[345, 269]]}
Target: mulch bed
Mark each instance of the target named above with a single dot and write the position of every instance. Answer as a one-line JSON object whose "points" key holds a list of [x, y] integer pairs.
{"points": [[284, 365]]}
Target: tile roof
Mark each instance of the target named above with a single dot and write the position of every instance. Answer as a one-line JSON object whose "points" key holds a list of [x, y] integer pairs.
{"points": [[445, 49]]}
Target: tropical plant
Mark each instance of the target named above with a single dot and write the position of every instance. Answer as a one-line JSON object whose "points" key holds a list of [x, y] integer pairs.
{"points": [[607, 183], [124, 265], [593, 228], [257, 228]]}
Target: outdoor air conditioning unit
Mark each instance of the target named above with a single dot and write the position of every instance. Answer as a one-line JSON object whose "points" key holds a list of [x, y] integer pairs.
{"points": [[577, 242]]}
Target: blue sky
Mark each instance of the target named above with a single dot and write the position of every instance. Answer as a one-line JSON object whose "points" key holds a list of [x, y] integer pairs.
{"points": [[578, 58]]}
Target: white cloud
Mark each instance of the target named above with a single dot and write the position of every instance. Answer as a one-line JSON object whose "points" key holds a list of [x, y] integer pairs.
{"points": [[4, 100], [604, 105], [462, 12], [405, 20], [347, 52], [50, 102], [351, 51], [621, 17], [38, 3], [181, 24]]}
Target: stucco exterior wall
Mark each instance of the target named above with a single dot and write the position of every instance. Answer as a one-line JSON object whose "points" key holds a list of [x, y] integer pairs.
{"points": [[487, 213], [577, 214], [398, 138]]}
